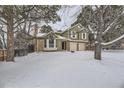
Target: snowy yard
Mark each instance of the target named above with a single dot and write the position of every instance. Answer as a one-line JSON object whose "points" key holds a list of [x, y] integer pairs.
{"points": [[64, 69]]}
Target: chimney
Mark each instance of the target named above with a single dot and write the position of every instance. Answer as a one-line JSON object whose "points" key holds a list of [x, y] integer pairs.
{"points": [[35, 30]]}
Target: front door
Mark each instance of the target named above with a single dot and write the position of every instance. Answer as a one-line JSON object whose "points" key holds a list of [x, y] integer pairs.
{"points": [[63, 45]]}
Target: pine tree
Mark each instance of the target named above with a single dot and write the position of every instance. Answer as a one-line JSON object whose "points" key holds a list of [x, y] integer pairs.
{"points": [[13, 16]]}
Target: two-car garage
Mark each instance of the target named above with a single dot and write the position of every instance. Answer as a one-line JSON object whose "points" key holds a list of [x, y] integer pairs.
{"points": [[77, 46]]}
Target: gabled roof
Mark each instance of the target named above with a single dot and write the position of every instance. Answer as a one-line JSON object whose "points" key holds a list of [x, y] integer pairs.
{"points": [[44, 34], [84, 30], [77, 25], [40, 34], [60, 37]]}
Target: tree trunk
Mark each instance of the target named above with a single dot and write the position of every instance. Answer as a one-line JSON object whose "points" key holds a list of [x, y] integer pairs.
{"points": [[29, 26], [98, 46], [98, 41], [10, 39], [97, 52], [35, 35]]}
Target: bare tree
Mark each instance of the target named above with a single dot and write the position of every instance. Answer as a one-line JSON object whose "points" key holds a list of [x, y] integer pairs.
{"points": [[3, 37], [100, 20]]}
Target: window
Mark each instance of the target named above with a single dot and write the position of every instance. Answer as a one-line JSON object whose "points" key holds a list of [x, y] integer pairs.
{"points": [[51, 42], [79, 27], [84, 35], [73, 34]]}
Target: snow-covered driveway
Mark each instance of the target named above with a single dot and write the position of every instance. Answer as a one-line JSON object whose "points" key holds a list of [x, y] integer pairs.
{"points": [[64, 70]]}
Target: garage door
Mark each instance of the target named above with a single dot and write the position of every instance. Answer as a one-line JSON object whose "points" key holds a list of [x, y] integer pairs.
{"points": [[81, 46], [73, 46]]}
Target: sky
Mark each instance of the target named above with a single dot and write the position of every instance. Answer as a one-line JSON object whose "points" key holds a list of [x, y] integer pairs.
{"points": [[68, 15]]}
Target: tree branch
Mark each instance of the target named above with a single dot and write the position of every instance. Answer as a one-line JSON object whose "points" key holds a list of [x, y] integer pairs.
{"points": [[18, 20], [19, 24], [29, 26], [3, 21], [89, 27], [114, 21], [1, 29], [113, 41]]}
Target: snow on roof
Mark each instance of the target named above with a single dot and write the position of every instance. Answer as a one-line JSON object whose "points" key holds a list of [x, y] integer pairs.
{"points": [[41, 34], [77, 25], [60, 37]]}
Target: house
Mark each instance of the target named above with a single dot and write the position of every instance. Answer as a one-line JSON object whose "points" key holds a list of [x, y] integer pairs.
{"points": [[73, 39], [77, 38]]}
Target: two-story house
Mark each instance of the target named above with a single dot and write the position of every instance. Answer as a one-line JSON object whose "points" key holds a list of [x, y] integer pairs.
{"points": [[77, 38], [73, 39]]}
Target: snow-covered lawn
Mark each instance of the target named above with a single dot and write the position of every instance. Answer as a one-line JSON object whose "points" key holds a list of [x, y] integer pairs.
{"points": [[64, 69]]}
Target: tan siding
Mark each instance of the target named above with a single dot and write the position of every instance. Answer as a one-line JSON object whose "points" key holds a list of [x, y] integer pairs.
{"points": [[66, 34], [40, 44], [73, 46], [122, 45], [50, 49], [76, 46], [59, 45], [35, 44], [3, 54], [79, 34], [81, 46], [68, 45]]}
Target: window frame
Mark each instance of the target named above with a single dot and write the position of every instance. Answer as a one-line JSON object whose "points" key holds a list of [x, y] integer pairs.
{"points": [[51, 43], [73, 35], [84, 35], [47, 43]]}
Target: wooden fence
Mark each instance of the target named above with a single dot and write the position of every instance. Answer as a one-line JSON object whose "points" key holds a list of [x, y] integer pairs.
{"points": [[3, 55], [17, 52]]}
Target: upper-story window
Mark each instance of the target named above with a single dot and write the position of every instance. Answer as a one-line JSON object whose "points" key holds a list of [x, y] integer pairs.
{"points": [[84, 35], [73, 34], [79, 26]]}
